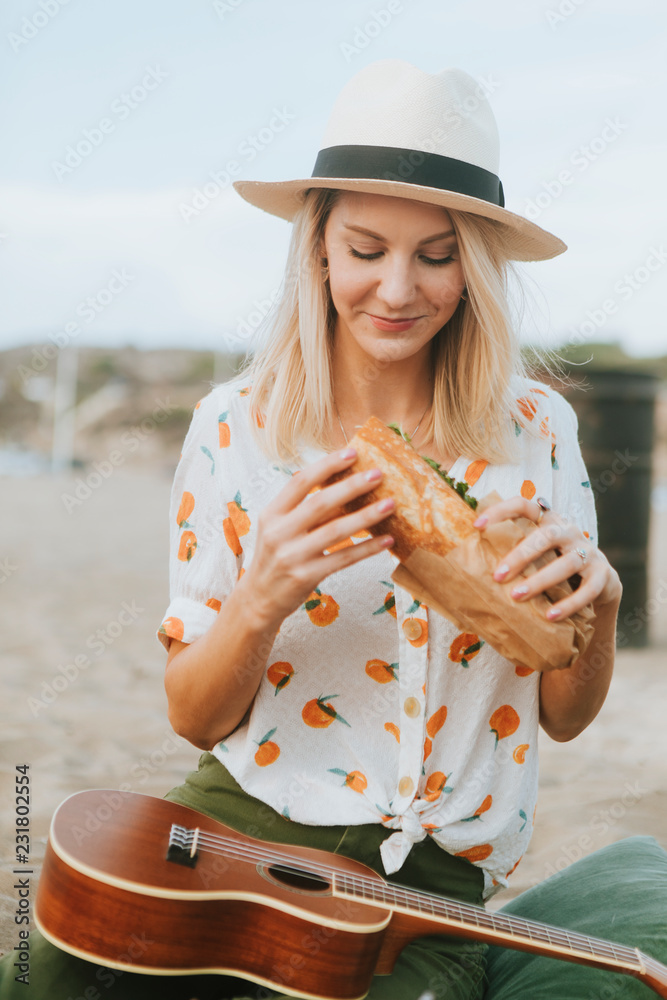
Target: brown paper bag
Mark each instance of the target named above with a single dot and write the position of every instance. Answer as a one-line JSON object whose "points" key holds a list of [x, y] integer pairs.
{"points": [[460, 586]]}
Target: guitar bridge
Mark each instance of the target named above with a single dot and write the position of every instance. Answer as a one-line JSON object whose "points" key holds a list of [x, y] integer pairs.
{"points": [[182, 849]]}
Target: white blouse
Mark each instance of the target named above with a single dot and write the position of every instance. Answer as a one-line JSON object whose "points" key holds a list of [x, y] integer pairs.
{"points": [[372, 707]]}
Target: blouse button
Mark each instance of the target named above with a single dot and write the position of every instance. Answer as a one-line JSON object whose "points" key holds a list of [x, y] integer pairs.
{"points": [[412, 628], [411, 707], [405, 786]]}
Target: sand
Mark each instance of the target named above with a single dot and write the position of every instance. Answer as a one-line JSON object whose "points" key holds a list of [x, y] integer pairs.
{"points": [[101, 566]]}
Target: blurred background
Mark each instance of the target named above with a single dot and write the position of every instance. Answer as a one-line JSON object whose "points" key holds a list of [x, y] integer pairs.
{"points": [[132, 276]]}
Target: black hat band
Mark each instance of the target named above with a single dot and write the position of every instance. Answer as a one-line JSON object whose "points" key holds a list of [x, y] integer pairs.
{"points": [[409, 166]]}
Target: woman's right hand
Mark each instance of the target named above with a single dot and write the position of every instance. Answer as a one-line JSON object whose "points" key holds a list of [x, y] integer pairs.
{"points": [[292, 534]]}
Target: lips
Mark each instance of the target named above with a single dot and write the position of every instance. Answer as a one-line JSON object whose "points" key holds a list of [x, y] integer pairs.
{"points": [[392, 324]]}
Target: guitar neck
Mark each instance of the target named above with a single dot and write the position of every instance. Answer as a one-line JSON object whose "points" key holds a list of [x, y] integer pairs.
{"points": [[465, 920]]}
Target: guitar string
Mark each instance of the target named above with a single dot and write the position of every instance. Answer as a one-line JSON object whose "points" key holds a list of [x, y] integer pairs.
{"points": [[481, 919], [409, 897], [358, 884]]}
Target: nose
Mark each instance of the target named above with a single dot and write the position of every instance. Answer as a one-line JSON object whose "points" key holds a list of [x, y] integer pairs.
{"points": [[397, 287]]}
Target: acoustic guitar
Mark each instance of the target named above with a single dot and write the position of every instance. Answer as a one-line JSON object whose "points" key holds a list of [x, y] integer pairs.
{"points": [[145, 885]]}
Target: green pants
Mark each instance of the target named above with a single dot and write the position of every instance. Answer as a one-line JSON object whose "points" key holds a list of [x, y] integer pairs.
{"points": [[444, 967]]}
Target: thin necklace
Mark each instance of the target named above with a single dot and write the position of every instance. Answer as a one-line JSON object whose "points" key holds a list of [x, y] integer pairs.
{"points": [[411, 436]]}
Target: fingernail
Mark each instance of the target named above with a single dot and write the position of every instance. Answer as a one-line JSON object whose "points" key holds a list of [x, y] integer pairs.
{"points": [[348, 453], [386, 542], [520, 591], [480, 522], [553, 614], [501, 572], [373, 474], [386, 504]]}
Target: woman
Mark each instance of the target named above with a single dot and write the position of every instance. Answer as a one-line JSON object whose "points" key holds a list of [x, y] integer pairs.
{"points": [[333, 709], [325, 694]]}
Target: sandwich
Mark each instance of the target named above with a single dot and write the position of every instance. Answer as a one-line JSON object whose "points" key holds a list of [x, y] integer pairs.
{"points": [[432, 511], [447, 564]]}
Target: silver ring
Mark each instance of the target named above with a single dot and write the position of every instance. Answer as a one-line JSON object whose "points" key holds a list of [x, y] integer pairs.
{"points": [[583, 553], [544, 507]]}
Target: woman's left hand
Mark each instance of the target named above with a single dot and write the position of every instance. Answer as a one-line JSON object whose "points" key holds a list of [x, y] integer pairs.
{"points": [[600, 583]]}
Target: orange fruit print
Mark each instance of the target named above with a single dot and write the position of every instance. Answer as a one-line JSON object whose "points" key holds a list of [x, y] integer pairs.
{"points": [[187, 546], [504, 722], [320, 713], [322, 609], [519, 755], [392, 728], [185, 509], [527, 406], [355, 780], [437, 721], [280, 674], [231, 537], [381, 671], [268, 751], [475, 470], [345, 544], [522, 671], [389, 601], [239, 516], [214, 603], [435, 785], [478, 853], [464, 648], [173, 627], [224, 434], [486, 804]]}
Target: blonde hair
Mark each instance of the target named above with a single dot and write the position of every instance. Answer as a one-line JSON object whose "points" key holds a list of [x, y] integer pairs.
{"points": [[477, 363]]}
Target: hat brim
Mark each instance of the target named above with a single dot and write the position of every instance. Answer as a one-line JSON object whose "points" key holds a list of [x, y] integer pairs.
{"points": [[524, 239]]}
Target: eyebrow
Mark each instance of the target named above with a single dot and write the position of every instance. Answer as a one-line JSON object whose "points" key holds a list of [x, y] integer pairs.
{"points": [[376, 236]]}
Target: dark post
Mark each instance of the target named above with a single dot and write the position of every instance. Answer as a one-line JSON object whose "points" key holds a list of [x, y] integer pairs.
{"points": [[616, 431]]}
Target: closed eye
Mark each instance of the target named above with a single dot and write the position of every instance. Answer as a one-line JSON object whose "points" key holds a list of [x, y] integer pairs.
{"points": [[374, 256]]}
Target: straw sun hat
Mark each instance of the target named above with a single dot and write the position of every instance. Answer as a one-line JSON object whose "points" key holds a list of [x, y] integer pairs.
{"points": [[431, 137]]}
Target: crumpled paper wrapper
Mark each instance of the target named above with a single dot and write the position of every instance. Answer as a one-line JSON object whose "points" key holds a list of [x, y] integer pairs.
{"points": [[460, 586]]}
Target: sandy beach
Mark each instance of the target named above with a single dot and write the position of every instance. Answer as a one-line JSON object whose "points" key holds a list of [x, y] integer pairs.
{"points": [[89, 581]]}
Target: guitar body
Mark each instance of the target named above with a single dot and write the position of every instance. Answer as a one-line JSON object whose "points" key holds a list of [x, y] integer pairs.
{"points": [[108, 894], [146, 885]]}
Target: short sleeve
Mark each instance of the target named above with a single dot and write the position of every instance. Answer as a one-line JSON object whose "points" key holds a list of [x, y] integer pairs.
{"points": [[572, 493], [203, 567]]}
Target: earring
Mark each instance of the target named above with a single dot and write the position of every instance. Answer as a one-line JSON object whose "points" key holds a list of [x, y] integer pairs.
{"points": [[464, 297], [325, 269]]}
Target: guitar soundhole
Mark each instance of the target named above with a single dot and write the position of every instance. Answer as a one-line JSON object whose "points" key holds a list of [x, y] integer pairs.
{"points": [[296, 879]]}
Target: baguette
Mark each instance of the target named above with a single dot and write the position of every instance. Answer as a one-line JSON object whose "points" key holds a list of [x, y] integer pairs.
{"points": [[429, 514]]}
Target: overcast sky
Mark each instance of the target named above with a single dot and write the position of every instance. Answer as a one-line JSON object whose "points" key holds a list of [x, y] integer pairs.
{"points": [[159, 95]]}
